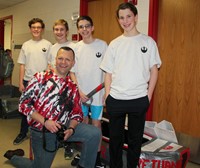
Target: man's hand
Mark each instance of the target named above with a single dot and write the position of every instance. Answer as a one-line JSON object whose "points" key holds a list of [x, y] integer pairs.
{"points": [[68, 133], [84, 97], [52, 126], [21, 87]]}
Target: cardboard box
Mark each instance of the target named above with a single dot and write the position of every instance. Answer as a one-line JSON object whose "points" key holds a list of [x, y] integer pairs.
{"points": [[163, 130], [158, 153]]}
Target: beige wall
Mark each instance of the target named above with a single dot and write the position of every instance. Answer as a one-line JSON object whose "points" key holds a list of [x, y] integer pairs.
{"points": [[143, 16], [49, 11]]}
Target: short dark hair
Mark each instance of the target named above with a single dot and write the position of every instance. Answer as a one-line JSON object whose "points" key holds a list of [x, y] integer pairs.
{"points": [[36, 20], [61, 22], [127, 5], [89, 19], [67, 49]]}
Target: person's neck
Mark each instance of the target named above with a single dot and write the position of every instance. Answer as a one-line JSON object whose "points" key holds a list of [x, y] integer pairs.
{"points": [[37, 38], [133, 32], [88, 40], [62, 41], [58, 74]]}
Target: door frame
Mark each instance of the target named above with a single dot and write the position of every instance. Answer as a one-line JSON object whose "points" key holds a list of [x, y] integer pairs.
{"points": [[11, 18], [2, 33]]}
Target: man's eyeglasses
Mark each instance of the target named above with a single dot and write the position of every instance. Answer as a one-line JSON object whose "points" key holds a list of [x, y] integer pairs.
{"points": [[33, 27], [84, 27]]}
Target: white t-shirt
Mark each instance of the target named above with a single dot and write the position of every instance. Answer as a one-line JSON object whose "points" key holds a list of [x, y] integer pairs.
{"points": [[86, 68], [54, 49], [34, 55], [129, 60]]}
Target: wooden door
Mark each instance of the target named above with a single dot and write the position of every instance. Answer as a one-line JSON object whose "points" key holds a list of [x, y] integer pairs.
{"points": [[103, 14], [177, 96]]}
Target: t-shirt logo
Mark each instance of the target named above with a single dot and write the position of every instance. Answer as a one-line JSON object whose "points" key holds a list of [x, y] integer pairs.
{"points": [[98, 54], [44, 49], [144, 49]]}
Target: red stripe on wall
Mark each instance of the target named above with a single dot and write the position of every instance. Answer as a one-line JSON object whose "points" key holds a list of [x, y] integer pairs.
{"points": [[152, 31]]}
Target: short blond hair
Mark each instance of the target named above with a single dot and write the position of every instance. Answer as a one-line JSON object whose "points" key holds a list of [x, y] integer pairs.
{"points": [[61, 22]]}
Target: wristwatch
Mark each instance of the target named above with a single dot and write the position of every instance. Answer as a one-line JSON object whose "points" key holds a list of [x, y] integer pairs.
{"points": [[72, 130], [45, 119]]}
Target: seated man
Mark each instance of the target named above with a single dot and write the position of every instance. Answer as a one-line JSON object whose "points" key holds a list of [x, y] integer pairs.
{"points": [[50, 101]]}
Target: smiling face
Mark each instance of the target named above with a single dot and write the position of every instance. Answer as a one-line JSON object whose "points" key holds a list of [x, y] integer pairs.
{"points": [[128, 21], [60, 33], [36, 30], [85, 28], [64, 62]]}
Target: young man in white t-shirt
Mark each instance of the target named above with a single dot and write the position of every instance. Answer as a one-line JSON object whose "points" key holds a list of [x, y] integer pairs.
{"points": [[131, 64], [86, 73], [33, 58]]}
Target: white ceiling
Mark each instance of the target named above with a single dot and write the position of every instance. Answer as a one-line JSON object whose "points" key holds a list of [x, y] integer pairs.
{"points": [[8, 3]]}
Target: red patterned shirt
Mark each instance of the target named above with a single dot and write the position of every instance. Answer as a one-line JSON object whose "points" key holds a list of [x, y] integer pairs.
{"points": [[53, 97]]}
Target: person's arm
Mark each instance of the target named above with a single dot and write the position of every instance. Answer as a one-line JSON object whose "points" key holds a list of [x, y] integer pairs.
{"points": [[152, 81], [76, 115], [73, 77], [107, 81], [51, 125], [27, 98], [83, 96], [71, 129], [76, 112], [21, 77]]}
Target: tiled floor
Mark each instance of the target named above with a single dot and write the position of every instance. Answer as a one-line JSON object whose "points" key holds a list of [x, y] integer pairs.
{"points": [[9, 128]]}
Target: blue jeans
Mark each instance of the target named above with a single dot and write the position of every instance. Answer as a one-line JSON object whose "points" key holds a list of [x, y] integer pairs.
{"points": [[85, 133]]}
